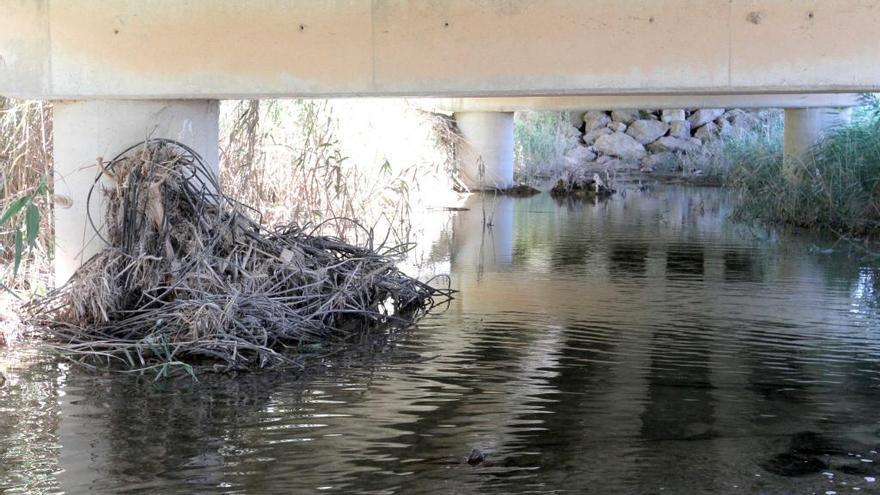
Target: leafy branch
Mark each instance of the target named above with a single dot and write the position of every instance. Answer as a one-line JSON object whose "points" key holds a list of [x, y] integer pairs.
{"points": [[23, 215]]}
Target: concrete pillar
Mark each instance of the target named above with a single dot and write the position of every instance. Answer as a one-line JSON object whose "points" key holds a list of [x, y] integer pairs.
{"points": [[488, 146], [805, 127], [85, 131]]}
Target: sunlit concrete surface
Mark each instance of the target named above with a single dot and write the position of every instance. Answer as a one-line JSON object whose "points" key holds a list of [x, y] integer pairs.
{"points": [[249, 48], [88, 131], [487, 152], [637, 102]]}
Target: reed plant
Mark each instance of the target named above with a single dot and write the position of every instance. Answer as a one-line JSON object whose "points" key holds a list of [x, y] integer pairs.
{"points": [[292, 160], [25, 187], [836, 188], [713, 163], [541, 140]]}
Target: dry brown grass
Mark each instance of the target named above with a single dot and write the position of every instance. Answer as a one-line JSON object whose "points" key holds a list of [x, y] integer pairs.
{"points": [[290, 160]]}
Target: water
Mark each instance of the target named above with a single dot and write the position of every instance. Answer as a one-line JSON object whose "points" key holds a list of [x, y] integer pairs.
{"points": [[647, 344]]}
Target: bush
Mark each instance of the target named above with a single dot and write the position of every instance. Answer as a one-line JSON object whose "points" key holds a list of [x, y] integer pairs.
{"points": [[718, 158], [836, 189], [541, 140]]}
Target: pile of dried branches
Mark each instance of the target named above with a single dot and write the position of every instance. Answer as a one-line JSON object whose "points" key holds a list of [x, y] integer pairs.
{"points": [[189, 277]]}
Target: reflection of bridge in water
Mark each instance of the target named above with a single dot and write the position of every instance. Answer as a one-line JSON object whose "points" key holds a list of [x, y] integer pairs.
{"points": [[640, 325], [638, 342]]}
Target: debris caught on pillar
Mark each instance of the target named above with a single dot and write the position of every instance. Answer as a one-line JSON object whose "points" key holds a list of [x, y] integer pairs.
{"points": [[188, 277]]}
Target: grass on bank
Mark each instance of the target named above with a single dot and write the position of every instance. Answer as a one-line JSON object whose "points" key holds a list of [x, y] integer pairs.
{"points": [[541, 140], [837, 189], [717, 158]]}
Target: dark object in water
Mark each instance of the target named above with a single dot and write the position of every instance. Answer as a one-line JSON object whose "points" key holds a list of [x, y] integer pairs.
{"points": [[812, 443], [519, 191], [791, 464], [803, 455], [476, 457], [858, 468], [2, 380], [585, 188]]}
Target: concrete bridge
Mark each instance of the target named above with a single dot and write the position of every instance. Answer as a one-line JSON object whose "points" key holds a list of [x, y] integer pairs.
{"points": [[120, 70]]}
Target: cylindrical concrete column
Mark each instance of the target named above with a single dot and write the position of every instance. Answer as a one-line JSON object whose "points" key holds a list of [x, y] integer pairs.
{"points": [[805, 127], [86, 131], [487, 156]]}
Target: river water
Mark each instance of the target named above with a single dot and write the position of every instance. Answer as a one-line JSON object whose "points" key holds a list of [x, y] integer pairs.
{"points": [[646, 344]]}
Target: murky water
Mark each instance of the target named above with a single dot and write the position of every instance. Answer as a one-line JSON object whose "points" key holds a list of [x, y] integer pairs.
{"points": [[647, 344]]}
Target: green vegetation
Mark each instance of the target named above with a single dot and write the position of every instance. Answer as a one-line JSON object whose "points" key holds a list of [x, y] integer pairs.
{"points": [[23, 216], [540, 142], [25, 207], [837, 189], [717, 159]]}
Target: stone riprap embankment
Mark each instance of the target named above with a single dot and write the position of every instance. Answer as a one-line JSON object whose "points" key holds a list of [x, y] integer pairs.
{"points": [[648, 138]]}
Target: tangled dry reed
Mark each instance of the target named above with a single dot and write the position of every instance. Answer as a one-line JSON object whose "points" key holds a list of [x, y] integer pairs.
{"points": [[188, 277]]}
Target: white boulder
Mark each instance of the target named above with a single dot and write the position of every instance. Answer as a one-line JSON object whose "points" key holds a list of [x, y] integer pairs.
{"points": [[647, 131], [680, 129], [704, 115], [594, 120], [617, 126], [620, 145], [707, 131], [672, 114], [591, 136], [669, 143], [625, 116]]}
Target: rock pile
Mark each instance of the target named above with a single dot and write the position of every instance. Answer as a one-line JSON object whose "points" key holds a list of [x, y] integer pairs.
{"points": [[647, 138]]}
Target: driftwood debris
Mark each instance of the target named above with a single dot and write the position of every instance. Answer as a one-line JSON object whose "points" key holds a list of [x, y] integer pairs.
{"points": [[189, 277]]}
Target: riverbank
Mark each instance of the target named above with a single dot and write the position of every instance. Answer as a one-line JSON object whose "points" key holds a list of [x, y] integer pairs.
{"points": [[834, 190]]}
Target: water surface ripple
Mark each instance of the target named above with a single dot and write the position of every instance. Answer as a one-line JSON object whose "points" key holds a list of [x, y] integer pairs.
{"points": [[647, 344]]}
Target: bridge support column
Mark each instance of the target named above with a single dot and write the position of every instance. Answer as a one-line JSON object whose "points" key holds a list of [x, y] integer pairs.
{"points": [[805, 127], [487, 157], [85, 131]]}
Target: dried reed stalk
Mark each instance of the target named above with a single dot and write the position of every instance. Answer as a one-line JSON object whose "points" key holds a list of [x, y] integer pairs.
{"points": [[188, 277], [25, 160]]}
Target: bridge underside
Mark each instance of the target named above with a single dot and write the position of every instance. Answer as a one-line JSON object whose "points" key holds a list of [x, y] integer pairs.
{"points": [[99, 59], [59, 49]]}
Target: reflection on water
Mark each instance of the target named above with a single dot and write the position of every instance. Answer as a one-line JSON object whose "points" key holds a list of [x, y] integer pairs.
{"points": [[641, 345]]}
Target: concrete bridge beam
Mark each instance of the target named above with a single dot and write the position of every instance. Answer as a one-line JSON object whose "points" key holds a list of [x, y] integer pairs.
{"points": [[805, 128], [487, 156], [85, 130]]}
